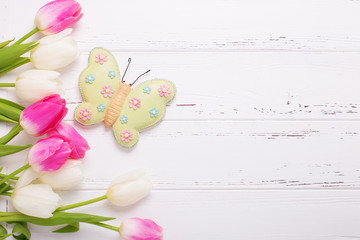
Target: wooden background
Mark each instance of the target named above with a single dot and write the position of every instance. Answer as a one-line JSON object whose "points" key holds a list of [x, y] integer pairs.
{"points": [[262, 140]]}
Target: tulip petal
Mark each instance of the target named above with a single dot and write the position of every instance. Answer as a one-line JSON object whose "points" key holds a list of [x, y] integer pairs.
{"points": [[140, 229], [33, 85], [55, 12], [53, 38], [43, 116], [36, 200], [128, 194], [26, 178], [49, 154], [78, 144], [66, 22], [55, 51], [129, 187], [129, 176], [69, 175]]}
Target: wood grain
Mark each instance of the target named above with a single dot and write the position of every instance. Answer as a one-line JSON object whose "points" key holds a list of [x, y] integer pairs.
{"points": [[213, 215], [261, 140], [216, 25], [241, 86]]}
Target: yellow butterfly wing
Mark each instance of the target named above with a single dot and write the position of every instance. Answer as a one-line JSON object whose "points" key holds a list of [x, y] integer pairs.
{"points": [[143, 108], [97, 84]]}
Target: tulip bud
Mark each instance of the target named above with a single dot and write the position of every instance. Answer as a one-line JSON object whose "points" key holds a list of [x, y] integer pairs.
{"points": [[33, 85], [78, 144], [129, 188], [43, 116], [55, 51], [69, 175], [57, 15], [49, 154], [27, 177], [36, 200], [140, 229]]}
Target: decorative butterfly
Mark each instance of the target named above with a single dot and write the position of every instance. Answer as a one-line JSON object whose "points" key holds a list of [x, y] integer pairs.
{"points": [[126, 110]]}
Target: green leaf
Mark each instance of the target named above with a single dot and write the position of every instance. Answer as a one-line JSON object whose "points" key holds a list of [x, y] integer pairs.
{"points": [[21, 231], [10, 109], [73, 227], [13, 132], [3, 233], [4, 44], [19, 62], [6, 187], [58, 218], [10, 54], [3, 230], [6, 236], [10, 149], [6, 119], [12, 104]]}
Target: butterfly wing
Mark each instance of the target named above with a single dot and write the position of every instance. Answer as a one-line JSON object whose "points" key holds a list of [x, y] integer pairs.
{"points": [[97, 84], [143, 108]]}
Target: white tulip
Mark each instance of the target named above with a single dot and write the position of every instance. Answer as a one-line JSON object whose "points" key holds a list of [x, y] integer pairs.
{"points": [[129, 188], [36, 200], [55, 51], [33, 85], [69, 175], [27, 177]]}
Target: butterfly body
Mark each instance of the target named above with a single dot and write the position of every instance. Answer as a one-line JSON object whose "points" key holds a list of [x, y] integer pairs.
{"points": [[116, 103], [126, 110]]}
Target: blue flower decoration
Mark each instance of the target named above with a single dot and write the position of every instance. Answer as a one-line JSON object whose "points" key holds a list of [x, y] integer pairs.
{"points": [[147, 89], [123, 119], [112, 74], [154, 112], [101, 107], [89, 78]]}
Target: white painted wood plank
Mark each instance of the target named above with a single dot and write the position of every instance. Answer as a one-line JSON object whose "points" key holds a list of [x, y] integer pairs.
{"points": [[227, 155], [233, 215], [203, 25], [241, 86]]}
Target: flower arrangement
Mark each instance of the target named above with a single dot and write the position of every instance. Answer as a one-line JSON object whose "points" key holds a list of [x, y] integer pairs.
{"points": [[54, 161]]}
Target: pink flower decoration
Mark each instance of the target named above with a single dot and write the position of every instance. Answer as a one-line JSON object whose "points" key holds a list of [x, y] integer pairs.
{"points": [[101, 58], [134, 103], [77, 143], [164, 90], [126, 136], [57, 15], [85, 114], [140, 229], [49, 154], [44, 115], [107, 91]]}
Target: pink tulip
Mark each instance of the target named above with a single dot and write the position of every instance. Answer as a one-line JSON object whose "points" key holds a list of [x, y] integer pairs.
{"points": [[78, 144], [140, 229], [49, 154], [44, 115], [57, 15]]}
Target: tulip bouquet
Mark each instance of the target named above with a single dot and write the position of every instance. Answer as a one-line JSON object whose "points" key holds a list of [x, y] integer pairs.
{"points": [[52, 52], [53, 164], [54, 161]]}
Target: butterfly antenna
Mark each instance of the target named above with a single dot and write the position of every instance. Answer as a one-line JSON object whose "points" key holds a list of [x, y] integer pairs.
{"points": [[140, 76], [129, 61]]}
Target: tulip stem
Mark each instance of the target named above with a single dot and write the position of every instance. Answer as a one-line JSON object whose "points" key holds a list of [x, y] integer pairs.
{"points": [[79, 204], [7, 84], [6, 194], [103, 225], [13, 132], [29, 34], [4, 175], [14, 173]]}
